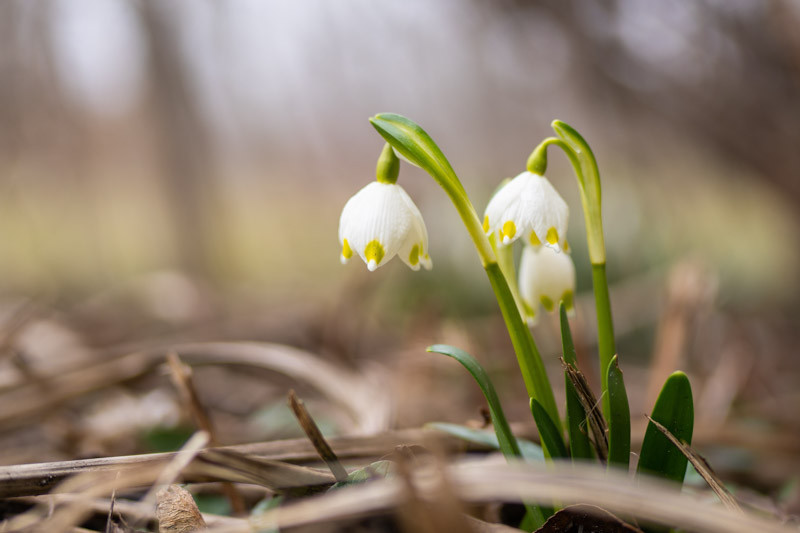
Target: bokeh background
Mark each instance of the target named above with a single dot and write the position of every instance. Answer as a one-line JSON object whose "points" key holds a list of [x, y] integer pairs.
{"points": [[176, 169]]}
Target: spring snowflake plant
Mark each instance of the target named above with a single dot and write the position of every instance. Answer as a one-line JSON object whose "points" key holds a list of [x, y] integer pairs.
{"points": [[381, 221]]}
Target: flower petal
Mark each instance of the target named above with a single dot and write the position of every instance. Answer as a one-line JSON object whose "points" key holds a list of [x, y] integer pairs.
{"points": [[528, 206], [546, 277], [379, 221]]}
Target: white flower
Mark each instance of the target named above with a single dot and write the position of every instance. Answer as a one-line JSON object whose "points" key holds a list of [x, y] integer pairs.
{"points": [[546, 277], [528, 206], [381, 221]]}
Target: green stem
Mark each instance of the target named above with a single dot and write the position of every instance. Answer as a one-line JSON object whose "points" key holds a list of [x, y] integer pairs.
{"points": [[528, 357], [605, 329], [505, 259], [585, 167]]}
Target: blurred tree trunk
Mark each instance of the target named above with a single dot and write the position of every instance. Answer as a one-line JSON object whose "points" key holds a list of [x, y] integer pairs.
{"points": [[37, 124], [181, 138]]}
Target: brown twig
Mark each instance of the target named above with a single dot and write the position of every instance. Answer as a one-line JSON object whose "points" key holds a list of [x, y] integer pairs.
{"points": [[40, 478], [594, 416], [23, 403], [703, 468], [315, 436], [181, 375]]}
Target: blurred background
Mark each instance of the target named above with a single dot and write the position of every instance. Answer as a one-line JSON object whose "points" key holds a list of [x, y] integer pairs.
{"points": [[176, 170]]}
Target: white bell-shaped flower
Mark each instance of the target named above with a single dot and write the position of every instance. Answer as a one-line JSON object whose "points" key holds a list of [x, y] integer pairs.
{"points": [[381, 221], [528, 206], [546, 277]]}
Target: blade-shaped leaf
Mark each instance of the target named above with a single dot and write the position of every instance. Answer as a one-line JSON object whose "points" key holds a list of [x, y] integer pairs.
{"points": [[378, 469], [548, 431], [506, 440], [674, 409], [579, 445], [531, 451], [508, 444], [619, 420]]}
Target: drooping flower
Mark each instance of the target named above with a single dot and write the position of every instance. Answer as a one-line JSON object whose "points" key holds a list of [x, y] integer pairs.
{"points": [[546, 278], [381, 221], [528, 206]]}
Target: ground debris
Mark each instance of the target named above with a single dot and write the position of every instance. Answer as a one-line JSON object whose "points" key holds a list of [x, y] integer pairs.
{"points": [[177, 512]]}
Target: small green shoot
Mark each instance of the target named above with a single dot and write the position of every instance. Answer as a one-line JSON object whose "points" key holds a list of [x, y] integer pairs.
{"points": [[674, 409], [579, 445], [619, 420]]}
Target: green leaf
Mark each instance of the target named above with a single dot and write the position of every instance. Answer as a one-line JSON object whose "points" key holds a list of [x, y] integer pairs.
{"points": [[548, 431], [166, 439], [531, 451], [505, 439], [619, 420], [377, 469], [674, 410], [213, 503], [579, 445], [267, 504]]}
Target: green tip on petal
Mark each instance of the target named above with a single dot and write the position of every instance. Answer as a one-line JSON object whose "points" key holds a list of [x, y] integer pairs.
{"points": [[388, 167], [413, 257]]}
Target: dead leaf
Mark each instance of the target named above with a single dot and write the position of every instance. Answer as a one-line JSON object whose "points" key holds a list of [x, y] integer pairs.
{"points": [[585, 519]]}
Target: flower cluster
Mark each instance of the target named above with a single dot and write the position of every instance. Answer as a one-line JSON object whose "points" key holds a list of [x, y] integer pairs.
{"points": [[381, 221]]}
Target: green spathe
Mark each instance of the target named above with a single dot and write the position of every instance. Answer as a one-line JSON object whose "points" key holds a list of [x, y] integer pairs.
{"points": [[388, 167]]}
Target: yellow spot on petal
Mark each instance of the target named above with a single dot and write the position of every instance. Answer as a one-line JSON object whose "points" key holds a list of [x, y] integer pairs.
{"points": [[530, 312], [486, 224], [374, 252], [509, 230], [552, 236], [569, 300], [413, 257], [547, 303], [566, 246], [347, 252], [535, 239]]}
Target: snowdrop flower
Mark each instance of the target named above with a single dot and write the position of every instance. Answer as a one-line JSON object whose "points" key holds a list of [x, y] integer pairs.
{"points": [[546, 277], [528, 206], [381, 221]]}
